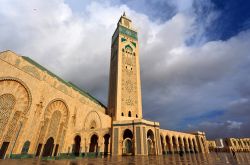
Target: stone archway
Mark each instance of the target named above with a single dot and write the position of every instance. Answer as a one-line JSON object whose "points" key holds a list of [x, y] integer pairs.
{"points": [[162, 145], [15, 101], [54, 124], [92, 121], [48, 147], [26, 147], [128, 148], [93, 147], [77, 145], [168, 144], [195, 146], [150, 142], [175, 146], [186, 149], [190, 145], [180, 143]]}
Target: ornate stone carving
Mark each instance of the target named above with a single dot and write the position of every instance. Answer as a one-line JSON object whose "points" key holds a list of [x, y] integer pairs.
{"points": [[43, 130], [129, 86], [92, 119], [19, 90], [39, 108], [74, 117], [32, 70], [57, 104], [55, 121], [7, 103], [12, 127], [63, 89]]}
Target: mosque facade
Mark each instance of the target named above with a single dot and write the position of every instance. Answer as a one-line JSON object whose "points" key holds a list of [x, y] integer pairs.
{"points": [[41, 115]]}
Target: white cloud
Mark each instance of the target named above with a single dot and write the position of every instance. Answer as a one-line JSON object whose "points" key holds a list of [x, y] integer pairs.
{"points": [[234, 124]]}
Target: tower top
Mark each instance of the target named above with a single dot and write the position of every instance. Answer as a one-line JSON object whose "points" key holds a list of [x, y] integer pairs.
{"points": [[124, 21]]}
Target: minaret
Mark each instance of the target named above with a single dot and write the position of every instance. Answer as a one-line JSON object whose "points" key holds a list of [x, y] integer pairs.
{"points": [[124, 101]]}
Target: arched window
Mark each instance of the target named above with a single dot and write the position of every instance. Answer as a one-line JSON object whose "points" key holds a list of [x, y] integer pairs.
{"points": [[122, 114], [129, 113], [26, 147], [136, 116]]}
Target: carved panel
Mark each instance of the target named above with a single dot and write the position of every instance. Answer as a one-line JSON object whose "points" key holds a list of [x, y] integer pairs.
{"points": [[92, 121], [57, 104], [43, 131], [59, 133], [12, 127], [19, 90], [129, 81], [7, 103], [55, 121], [32, 70]]}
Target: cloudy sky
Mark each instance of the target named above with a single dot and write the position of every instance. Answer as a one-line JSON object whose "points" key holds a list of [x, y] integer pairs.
{"points": [[194, 54]]}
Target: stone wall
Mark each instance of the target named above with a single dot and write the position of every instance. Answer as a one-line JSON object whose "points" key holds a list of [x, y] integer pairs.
{"points": [[37, 105]]}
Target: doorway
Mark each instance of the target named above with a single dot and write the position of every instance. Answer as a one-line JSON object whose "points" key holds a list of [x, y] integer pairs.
{"points": [[48, 148], [3, 149]]}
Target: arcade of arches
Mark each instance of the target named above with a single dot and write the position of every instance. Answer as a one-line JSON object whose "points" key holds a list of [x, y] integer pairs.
{"points": [[42, 115]]}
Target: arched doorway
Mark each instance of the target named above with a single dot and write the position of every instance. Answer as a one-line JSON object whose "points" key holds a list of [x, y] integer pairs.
{"points": [[190, 145], [93, 143], [128, 146], [77, 145], [106, 144], [185, 145], [162, 146], [174, 141], [127, 142], [26, 147], [48, 148], [150, 141], [54, 125], [195, 147], [168, 144], [180, 144]]}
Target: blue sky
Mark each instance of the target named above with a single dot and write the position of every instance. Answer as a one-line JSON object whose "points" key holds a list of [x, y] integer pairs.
{"points": [[194, 54]]}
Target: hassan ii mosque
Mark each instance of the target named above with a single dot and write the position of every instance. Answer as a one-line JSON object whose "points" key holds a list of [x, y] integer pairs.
{"points": [[41, 115]]}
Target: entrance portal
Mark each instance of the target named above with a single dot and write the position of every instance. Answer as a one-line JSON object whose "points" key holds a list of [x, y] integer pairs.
{"points": [[128, 146], [4, 149], [48, 148], [127, 142], [162, 146], [93, 145], [38, 149], [77, 145], [151, 145]]}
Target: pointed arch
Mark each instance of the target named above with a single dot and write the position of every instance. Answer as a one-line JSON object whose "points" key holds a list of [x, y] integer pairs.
{"points": [[92, 120]]}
